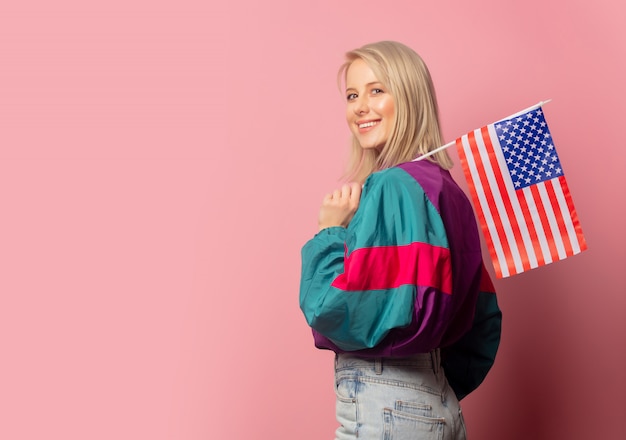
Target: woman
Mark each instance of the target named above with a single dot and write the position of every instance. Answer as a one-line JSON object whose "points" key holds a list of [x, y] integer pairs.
{"points": [[394, 279]]}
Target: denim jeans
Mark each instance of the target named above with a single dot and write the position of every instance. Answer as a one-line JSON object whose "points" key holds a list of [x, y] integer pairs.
{"points": [[395, 399]]}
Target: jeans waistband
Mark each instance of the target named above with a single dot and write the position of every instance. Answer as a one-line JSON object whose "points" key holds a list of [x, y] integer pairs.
{"points": [[431, 360]]}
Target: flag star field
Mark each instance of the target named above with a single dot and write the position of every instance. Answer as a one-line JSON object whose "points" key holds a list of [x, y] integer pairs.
{"points": [[528, 149]]}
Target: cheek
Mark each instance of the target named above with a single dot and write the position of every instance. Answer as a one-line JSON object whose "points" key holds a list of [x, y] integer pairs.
{"points": [[386, 108], [390, 109]]}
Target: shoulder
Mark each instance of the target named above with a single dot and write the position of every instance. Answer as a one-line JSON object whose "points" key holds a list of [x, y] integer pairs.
{"points": [[395, 205], [397, 195], [394, 179], [418, 180], [437, 183]]}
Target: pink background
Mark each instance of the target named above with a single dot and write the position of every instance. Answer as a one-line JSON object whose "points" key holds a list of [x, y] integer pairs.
{"points": [[162, 163]]}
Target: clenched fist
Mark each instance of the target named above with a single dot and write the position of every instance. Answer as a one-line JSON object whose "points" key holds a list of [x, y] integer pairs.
{"points": [[339, 207]]}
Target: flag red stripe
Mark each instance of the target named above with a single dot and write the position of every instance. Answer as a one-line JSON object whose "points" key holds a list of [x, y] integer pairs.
{"points": [[534, 189], [570, 206], [559, 218], [477, 206], [532, 228], [506, 200], [491, 204]]}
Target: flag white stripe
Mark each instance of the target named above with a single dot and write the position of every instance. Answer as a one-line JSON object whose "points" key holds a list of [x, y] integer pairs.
{"points": [[554, 227], [512, 197], [480, 193], [567, 216], [534, 215], [497, 196]]}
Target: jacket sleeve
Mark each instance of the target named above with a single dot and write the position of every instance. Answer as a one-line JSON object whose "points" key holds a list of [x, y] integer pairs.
{"points": [[359, 283], [467, 361]]}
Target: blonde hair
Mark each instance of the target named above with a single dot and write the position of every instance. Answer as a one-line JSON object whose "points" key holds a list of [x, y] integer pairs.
{"points": [[416, 128]]}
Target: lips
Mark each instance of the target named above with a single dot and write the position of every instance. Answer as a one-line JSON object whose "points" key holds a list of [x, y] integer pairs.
{"points": [[367, 124]]}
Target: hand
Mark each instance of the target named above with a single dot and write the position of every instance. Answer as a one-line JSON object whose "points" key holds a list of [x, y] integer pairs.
{"points": [[339, 207]]}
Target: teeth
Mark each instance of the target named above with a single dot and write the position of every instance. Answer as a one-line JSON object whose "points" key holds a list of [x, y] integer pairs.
{"points": [[368, 124]]}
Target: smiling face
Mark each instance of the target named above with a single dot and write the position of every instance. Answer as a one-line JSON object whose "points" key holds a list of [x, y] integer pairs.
{"points": [[370, 109]]}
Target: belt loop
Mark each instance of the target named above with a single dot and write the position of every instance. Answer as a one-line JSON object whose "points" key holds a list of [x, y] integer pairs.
{"points": [[434, 357], [378, 366]]}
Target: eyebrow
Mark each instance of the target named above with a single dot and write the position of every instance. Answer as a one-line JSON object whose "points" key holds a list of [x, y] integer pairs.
{"points": [[368, 84]]}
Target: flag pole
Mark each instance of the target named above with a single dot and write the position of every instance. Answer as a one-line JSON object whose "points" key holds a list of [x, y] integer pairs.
{"points": [[526, 110], [449, 144]]}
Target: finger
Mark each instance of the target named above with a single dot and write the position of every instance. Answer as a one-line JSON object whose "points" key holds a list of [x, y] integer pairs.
{"points": [[355, 193], [355, 196], [345, 192], [337, 194]]}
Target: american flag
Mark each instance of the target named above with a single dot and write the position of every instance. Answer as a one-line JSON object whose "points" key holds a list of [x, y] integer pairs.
{"points": [[520, 194]]}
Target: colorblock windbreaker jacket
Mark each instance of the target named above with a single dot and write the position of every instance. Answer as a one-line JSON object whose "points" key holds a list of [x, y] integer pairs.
{"points": [[405, 277]]}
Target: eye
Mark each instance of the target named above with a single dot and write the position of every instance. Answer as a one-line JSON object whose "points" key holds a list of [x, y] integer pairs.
{"points": [[377, 91], [351, 96]]}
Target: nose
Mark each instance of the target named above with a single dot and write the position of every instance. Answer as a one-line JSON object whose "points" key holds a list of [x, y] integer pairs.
{"points": [[361, 106]]}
